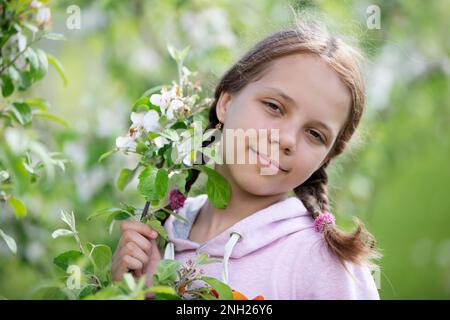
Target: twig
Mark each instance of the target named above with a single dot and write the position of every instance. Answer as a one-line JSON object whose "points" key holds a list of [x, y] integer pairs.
{"points": [[5, 67], [145, 211]]}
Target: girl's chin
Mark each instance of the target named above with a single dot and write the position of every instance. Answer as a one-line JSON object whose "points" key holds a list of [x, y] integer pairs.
{"points": [[250, 179]]}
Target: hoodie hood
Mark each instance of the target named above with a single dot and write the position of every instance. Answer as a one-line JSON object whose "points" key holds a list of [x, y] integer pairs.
{"points": [[252, 233]]}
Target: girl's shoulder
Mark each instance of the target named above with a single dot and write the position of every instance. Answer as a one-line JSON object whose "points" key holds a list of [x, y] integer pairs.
{"points": [[322, 276]]}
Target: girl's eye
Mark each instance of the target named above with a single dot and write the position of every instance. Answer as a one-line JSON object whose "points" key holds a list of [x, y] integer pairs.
{"points": [[318, 136], [272, 106]]}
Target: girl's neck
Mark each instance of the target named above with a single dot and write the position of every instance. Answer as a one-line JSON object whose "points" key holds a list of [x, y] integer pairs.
{"points": [[212, 221]]}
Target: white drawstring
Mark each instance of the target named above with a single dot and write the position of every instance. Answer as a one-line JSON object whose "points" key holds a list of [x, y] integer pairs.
{"points": [[169, 252], [234, 238]]}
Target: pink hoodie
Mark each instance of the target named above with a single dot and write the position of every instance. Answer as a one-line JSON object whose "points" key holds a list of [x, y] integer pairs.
{"points": [[275, 252]]}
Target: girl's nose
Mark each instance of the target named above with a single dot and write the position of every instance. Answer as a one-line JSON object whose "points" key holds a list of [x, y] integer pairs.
{"points": [[286, 138]]}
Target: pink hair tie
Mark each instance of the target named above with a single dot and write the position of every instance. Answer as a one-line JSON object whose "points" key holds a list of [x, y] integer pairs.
{"points": [[322, 219]]}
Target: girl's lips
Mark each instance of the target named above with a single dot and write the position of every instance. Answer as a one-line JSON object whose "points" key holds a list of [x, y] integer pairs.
{"points": [[266, 162]]}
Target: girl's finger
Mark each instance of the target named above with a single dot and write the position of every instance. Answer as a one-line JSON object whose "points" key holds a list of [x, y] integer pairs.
{"points": [[132, 249], [133, 236], [130, 263], [139, 227]]}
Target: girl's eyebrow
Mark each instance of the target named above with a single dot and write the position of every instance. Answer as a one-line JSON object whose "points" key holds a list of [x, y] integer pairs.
{"points": [[325, 127], [292, 102], [283, 95]]}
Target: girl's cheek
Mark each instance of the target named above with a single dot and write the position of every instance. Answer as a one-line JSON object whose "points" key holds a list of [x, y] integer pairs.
{"points": [[306, 159]]}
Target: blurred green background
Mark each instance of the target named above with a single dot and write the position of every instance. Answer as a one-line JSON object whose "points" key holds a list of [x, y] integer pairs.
{"points": [[395, 175]]}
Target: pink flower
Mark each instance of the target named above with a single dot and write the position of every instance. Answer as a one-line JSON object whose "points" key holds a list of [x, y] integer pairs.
{"points": [[322, 219], [176, 199]]}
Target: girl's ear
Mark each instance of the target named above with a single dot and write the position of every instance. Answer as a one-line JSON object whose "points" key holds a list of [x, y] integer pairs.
{"points": [[222, 105]]}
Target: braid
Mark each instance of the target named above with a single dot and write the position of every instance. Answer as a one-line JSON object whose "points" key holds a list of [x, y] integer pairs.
{"points": [[358, 246], [314, 193]]}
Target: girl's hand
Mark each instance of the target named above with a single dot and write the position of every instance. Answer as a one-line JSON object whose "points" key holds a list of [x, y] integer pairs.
{"points": [[137, 251]]}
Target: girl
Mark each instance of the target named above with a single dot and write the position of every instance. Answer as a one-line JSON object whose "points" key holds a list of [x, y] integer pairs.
{"points": [[308, 85]]}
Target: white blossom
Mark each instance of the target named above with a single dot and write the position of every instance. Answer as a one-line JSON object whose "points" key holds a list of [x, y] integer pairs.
{"points": [[21, 42], [185, 148], [145, 121], [43, 16], [35, 4], [125, 142], [167, 101], [160, 142], [174, 105]]}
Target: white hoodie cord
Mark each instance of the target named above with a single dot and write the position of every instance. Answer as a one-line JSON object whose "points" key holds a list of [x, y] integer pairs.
{"points": [[169, 252], [234, 238]]}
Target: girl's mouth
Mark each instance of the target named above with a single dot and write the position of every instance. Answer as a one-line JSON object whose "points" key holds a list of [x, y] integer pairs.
{"points": [[266, 162]]}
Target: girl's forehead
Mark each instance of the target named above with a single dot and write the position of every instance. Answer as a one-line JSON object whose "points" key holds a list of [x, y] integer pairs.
{"points": [[303, 71], [305, 81]]}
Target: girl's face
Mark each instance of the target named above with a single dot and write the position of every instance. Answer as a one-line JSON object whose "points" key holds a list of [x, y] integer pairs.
{"points": [[302, 97]]}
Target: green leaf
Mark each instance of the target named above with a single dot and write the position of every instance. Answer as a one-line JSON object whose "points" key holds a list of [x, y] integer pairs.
{"points": [[67, 258], [141, 147], [69, 219], [163, 121], [178, 55], [54, 36], [176, 215], [129, 280], [106, 155], [59, 68], [125, 177], [166, 272], [87, 291], [32, 58], [162, 184], [222, 289], [142, 104], [7, 85], [160, 215], [20, 210], [170, 134], [52, 117], [62, 233], [153, 135], [203, 258], [147, 180], [10, 242], [179, 125], [40, 103], [156, 225], [162, 289], [178, 181], [153, 183], [151, 91], [4, 175], [101, 255], [43, 65], [25, 80], [218, 188], [21, 112], [167, 296], [105, 293], [50, 293], [115, 213]]}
